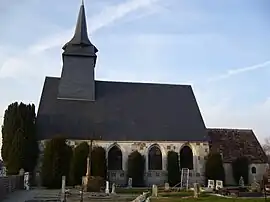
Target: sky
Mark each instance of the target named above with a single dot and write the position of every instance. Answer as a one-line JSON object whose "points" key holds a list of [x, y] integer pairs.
{"points": [[221, 48]]}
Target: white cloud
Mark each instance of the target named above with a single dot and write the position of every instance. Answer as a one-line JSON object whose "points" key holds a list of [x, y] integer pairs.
{"points": [[108, 16], [233, 72]]}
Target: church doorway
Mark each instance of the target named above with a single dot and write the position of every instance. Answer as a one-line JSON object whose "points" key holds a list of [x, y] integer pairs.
{"points": [[186, 158], [115, 158], [154, 158]]}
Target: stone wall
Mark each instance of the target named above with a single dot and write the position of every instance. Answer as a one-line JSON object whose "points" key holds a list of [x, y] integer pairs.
{"points": [[260, 171], [9, 184], [199, 149]]}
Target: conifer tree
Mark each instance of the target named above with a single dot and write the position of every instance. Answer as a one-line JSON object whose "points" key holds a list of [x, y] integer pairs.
{"points": [[79, 163], [214, 169], [136, 165], [56, 162], [98, 163], [20, 146], [240, 167], [173, 168]]}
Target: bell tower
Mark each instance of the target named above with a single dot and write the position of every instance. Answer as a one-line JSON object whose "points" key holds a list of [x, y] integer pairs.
{"points": [[77, 80]]}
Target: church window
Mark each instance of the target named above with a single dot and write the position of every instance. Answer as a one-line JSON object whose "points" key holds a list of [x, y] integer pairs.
{"points": [[199, 158], [186, 158], [115, 158], [253, 170], [154, 158]]}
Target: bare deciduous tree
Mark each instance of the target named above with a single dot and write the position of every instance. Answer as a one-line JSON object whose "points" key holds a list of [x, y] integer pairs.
{"points": [[266, 147]]}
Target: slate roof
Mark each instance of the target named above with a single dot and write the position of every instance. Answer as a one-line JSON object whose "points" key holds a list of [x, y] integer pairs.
{"points": [[123, 111], [80, 37], [233, 143]]}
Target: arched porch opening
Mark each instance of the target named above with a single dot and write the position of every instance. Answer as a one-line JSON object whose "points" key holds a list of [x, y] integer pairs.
{"points": [[154, 158], [115, 158], [186, 158]]}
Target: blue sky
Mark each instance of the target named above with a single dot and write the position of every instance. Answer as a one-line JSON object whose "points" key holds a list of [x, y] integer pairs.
{"points": [[219, 47]]}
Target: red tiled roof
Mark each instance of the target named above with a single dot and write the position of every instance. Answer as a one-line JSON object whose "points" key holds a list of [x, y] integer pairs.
{"points": [[233, 143]]}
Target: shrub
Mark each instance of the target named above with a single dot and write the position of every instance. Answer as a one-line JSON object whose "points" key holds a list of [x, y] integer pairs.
{"points": [[173, 168], [214, 169], [79, 163], [98, 163], [20, 146], [136, 165], [240, 167], [56, 162]]}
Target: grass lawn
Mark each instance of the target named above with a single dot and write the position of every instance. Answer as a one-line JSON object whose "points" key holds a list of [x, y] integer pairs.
{"points": [[175, 197], [137, 191], [178, 196]]}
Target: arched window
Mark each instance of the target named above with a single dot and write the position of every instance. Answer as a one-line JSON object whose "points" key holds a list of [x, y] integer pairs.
{"points": [[115, 158], [253, 170], [186, 158], [154, 158]]}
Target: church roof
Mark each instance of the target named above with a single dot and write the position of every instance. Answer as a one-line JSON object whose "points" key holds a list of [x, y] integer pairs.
{"points": [[233, 143], [123, 111], [80, 37]]}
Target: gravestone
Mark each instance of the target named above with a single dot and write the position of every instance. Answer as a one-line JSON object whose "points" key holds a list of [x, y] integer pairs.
{"points": [[219, 184], [26, 181], [38, 179], [167, 186], [107, 189], [255, 186], [3, 171], [63, 189], [196, 190], [254, 178], [241, 182], [129, 182], [154, 190], [21, 172], [113, 188], [211, 184]]}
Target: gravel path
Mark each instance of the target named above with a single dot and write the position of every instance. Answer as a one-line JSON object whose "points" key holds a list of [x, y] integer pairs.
{"points": [[32, 195]]}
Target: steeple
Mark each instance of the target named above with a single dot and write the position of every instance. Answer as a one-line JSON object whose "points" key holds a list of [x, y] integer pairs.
{"points": [[79, 60], [80, 38]]}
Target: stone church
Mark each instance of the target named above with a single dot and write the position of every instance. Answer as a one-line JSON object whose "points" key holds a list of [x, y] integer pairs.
{"points": [[123, 117]]}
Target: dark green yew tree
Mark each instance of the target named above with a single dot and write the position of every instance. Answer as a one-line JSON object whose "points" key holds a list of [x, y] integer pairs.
{"points": [[214, 169], [136, 165], [56, 162], [240, 167], [173, 168], [79, 163], [20, 146], [98, 163]]}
